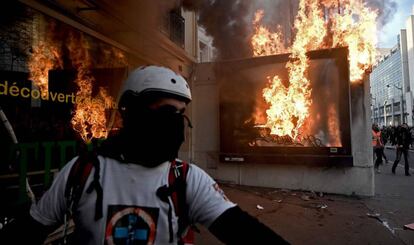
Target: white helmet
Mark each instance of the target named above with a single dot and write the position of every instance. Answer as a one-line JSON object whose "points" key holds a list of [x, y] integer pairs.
{"points": [[156, 79]]}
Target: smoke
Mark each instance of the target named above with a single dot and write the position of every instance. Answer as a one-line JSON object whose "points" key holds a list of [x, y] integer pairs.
{"points": [[277, 11], [386, 9], [227, 23]]}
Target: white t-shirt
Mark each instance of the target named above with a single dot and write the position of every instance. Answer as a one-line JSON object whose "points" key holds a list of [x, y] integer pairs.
{"points": [[131, 208]]}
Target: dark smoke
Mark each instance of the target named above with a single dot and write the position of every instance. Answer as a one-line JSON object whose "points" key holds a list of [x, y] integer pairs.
{"points": [[226, 21], [229, 22], [386, 9]]}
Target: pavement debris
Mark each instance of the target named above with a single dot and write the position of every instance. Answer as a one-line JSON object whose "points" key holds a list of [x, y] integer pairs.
{"points": [[385, 223], [409, 227], [322, 206], [259, 207], [374, 215], [305, 197]]}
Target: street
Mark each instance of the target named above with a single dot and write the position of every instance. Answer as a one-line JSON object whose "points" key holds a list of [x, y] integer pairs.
{"points": [[314, 218], [390, 152], [394, 198]]}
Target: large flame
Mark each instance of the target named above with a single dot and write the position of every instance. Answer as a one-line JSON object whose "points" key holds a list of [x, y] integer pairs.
{"points": [[44, 57], [355, 28], [89, 118], [289, 105], [319, 24]]}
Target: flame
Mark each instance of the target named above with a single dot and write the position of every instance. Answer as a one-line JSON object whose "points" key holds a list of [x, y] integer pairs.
{"points": [[265, 42], [289, 105], [317, 25], [44, 58], [284, 112], [355, 28], [89, 118]]}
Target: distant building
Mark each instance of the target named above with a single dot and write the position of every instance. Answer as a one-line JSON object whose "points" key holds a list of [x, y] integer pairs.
{"points": [[386, 89], [392, 81]]}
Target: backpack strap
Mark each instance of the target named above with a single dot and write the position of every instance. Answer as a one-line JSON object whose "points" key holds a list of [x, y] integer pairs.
{"points": [[177, 179], [78, 176], [176, 190]]}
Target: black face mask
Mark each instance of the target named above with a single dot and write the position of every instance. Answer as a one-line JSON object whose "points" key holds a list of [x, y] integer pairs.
{"points": [[152, 137]]}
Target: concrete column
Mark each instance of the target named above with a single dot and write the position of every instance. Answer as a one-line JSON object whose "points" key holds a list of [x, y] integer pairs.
{"points": [[409, 108]]}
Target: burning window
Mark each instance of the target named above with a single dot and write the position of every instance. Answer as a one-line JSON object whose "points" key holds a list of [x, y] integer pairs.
{"points": [[259, 115], [49, 66], [58, 87], [297, 104]]}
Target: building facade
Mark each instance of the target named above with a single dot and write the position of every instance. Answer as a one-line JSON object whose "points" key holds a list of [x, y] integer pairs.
{"points": [[386, 89], [392, 80]]}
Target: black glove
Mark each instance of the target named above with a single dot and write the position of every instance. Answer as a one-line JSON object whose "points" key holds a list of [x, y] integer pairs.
{"points": [[235, 226]]}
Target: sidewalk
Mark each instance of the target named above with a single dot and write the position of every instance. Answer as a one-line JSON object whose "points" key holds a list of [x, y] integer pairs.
{"points": [[311, 218]]}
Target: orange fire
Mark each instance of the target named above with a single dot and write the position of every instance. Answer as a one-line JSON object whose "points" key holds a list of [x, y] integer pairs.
{"points": [[289, 105], [355, 28], [317, 25], [89, 118], [44, 58], [264, 41]]}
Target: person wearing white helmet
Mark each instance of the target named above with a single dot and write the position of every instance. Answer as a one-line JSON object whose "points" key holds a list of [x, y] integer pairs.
{"points": [[144, 194], [152, 102]]}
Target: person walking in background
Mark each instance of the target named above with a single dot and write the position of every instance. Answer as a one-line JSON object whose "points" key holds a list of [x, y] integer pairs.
{"points": [[403, 142], [378, 146]]}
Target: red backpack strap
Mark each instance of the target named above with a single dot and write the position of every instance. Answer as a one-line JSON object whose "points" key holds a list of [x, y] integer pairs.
{"points": [[76, 182], [176, 190], [177, 179]]}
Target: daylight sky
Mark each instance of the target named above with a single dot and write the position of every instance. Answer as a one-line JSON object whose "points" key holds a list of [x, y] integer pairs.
{"points": [[387, 36]]}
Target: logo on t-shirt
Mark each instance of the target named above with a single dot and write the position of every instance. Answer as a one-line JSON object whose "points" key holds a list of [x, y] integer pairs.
{"points": [[131, 225], [220, 191]]}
